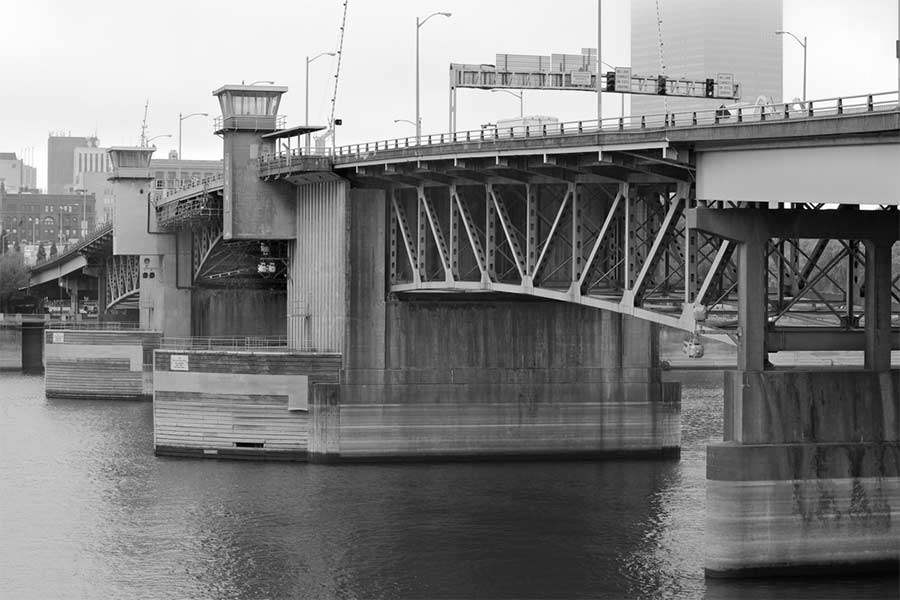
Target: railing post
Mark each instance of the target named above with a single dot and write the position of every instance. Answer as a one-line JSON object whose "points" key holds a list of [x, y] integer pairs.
{"points": [[580, 127], [694, 118], [762, 113], [643, 121], [870, 104], [740, 115], [527, 131], [482, 135], [840, 107], [809, 109]]}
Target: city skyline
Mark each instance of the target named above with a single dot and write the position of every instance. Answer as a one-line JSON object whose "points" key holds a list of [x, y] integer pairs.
{"points": [[107, 96]]}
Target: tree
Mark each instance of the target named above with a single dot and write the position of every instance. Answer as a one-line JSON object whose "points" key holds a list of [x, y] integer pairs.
{"points": [[41, 253], [13, 275]]}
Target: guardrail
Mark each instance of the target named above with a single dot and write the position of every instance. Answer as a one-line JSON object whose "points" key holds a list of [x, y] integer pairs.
{"points": [[191, 184], [721, 116], [248, 343], [96, 233], [104, 325]]}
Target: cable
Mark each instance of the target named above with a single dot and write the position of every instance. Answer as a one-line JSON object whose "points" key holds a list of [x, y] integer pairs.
{"points": [[337, 74], [662, 64]]}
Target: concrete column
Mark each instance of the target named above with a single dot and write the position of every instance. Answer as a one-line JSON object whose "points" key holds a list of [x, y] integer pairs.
{"points": [[878, 306], [752, 305]]}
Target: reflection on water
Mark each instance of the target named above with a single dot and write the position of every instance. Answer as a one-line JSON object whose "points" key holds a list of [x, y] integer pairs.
{"points": [[87, 511]]}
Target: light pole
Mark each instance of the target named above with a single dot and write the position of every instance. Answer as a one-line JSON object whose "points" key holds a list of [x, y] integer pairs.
{"points": [[419, 23], [803, 43], [622, 106], [306, 116], [520, 96], [404, 121], [83, 213], [180, 119]]}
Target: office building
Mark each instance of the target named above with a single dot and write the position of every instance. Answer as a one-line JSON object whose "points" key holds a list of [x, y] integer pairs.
{"points": [[61, 161], [46, 218], [15, 175], [701, 38]]}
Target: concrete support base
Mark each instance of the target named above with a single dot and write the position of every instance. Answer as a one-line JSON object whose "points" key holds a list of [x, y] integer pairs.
{"points": [[235, 405], [98, 364], [468, 380], [808, 479]]}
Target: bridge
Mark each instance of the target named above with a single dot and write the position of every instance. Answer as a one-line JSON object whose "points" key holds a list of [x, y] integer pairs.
{"points": [[499, 293]]}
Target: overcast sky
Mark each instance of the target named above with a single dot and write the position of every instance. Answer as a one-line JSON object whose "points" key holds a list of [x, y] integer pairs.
{"points": [[85, 67]]}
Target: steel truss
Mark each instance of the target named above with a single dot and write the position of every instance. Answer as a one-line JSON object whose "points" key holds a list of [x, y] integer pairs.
{"points": [[122, 274], [622, 247]]}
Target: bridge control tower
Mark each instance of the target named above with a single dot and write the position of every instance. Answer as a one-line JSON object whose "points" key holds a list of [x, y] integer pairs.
{"points": [[252, 208], [163, 306]]}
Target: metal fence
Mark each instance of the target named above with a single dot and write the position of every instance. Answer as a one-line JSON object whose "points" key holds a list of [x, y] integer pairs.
{"points": [[96, 325], [264, 343]]}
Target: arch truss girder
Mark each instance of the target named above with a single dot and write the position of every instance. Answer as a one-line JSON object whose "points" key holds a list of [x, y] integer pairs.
{"points": [[122, 278], [621, 246]]}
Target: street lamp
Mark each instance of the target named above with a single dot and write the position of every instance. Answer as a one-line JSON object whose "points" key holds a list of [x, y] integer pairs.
{"points": [[419, 23], [803, 43], [306, 119], [622, 107], [83, 212], [520, 96], [404, 121], [180, 119], [167, 135], [260, 81]]}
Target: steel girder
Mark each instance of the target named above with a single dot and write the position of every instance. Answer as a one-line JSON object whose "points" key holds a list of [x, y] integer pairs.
{"points": [[122, 273], [614, 246]]}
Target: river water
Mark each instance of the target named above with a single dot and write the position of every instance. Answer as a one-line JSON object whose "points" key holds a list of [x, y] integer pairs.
{"points": [[87, 511]]}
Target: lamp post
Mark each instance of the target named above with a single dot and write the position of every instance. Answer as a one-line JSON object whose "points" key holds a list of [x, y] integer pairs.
{"points": [[405, 121], [419, 23], [83, 213], [306, 116], [803, 43], [180, 119], [520, 96]]}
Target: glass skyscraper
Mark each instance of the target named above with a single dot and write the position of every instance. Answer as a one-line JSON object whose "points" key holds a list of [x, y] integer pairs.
{"points": [[703, 37]]}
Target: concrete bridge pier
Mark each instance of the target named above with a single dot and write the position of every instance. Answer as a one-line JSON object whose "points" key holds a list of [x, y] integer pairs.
{"points": [[462, 377], [807, 478]]}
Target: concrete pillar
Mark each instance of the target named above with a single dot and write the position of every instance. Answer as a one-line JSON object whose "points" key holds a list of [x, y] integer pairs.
{"points": [[878, 306], [752, 297], [806, 480], [474, 378]]}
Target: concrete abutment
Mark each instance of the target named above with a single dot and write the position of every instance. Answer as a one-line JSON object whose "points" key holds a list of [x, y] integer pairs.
{"points": [[496, 377], [807, 479]]}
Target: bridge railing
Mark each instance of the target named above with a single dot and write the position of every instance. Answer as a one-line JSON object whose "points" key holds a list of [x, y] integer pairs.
{"points": [[261, 343], [723, 115], [188, 185], [96, 233], [97, 325]]}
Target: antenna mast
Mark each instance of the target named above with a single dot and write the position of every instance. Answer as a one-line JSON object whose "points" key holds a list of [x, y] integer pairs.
{"points": [[144, 125]]}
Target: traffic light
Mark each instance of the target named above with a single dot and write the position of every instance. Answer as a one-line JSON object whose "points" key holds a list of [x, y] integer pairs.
{"points": [[610, 81], [661, 85], [710, 90]]}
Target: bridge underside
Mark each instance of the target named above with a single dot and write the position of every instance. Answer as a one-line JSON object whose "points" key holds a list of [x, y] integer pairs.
{"points": [[613, 234]]}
